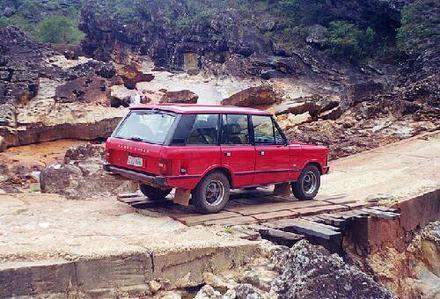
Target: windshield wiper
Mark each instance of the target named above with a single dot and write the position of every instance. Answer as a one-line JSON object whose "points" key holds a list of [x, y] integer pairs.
{"points": [[136, 139]]}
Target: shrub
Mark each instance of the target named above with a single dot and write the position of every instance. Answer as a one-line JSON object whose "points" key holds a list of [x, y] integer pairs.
{"points": [[58, 29], [347, 40], [420, 26]]}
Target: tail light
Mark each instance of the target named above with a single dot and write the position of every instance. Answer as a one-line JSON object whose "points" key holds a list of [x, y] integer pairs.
{"points": [[165, 167]]}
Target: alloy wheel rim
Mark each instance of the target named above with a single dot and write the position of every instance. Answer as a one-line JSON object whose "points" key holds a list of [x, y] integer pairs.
{"points": [[309, 182], [214, 192]]}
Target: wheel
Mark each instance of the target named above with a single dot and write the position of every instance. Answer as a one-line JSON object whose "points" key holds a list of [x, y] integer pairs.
{"points": [[212, 193], [308, 183], [153, 193]]}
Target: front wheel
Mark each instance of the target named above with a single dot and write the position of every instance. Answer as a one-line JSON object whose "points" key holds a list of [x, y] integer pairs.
{"points": [[153, 193], [212, 193], [308, 183]]}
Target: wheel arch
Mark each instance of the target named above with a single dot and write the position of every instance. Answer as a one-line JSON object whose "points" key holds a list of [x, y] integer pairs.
{"points": [[224, 170], [315, 163]]}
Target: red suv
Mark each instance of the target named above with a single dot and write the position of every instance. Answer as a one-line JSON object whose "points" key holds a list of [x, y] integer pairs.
{"points": [[203, 151]]}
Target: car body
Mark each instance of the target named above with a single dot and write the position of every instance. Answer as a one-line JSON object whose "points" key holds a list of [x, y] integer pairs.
{"points": [[176, 146]]}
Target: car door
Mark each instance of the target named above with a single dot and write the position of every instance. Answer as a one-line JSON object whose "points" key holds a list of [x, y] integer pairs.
{"points": [[272, 153], [238, 154]]}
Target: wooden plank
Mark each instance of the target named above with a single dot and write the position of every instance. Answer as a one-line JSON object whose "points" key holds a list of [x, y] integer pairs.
{"points": [[127, 195], [309, 228], [360, 204], [130, 200], [385, 209], [201, 219], [340, 201], [266, 208], [380, 214], [232, 221], [280, 237], [320, 209], [148, 204], [275, 215]]}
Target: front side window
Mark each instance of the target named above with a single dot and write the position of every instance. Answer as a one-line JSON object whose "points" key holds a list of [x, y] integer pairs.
{"points": [[263, 129], [204, 130], [146, 125], [235, 129]]}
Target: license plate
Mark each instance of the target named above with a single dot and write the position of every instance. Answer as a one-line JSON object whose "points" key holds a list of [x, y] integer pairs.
{"points": [[135, 161]]}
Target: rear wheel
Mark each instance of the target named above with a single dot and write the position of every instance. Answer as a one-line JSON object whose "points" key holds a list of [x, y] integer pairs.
{"points": [[308, 183], [212, 193], [153, 193]]}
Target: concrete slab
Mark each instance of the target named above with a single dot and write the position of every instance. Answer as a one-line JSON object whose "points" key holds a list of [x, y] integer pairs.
{"points": [[49, 245]]}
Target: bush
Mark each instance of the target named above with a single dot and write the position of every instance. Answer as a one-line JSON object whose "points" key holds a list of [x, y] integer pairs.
{"points": [[420, 28], [347, 40], [58, 29]]}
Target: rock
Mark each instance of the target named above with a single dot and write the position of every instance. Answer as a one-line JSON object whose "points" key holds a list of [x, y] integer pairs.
{"points": [[131, 75], [317, 35], [310, 271], [154, 286], [121, 96], [314, 105], [290, 120], [9, 11], [252, 97], [3, 144], [81, 176], [243, 291], [219, 283], [71, 55], [91, 89], [208, 292], [183, 96]]}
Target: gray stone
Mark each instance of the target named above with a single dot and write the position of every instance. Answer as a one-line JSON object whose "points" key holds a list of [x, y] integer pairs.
{"points": [[208, 292]]}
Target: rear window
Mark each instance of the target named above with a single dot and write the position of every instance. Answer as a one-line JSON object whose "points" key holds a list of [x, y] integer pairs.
{"points": [[146, 126]]}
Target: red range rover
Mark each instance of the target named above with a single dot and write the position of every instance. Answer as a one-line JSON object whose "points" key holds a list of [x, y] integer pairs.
{"points": [[204, 151]]}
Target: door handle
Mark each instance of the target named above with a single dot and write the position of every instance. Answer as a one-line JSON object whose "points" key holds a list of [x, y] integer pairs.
{"points": [[262, 153], [227, 154]]}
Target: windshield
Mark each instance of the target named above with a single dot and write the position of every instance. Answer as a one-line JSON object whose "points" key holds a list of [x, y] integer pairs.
{"points": [[146, 126]]}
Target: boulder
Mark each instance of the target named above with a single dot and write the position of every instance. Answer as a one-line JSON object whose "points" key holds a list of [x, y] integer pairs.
{"points": [[243, 291], [263, 95], [182, 96], [81, 176], [310, 271], [84, 89], [131, 75], [121, 95], [314, 105], [208, 292]]}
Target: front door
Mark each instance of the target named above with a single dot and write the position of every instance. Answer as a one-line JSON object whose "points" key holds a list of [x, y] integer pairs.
{"points": [[272, 153], [238, 155]]}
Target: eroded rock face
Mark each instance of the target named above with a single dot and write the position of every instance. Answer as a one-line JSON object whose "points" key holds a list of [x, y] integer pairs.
{"points": [[81, 176], [131, 76], [259, 96], [312, 272]]}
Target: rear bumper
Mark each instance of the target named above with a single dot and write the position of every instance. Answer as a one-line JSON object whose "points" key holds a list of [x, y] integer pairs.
{"points": [[158, 181]]}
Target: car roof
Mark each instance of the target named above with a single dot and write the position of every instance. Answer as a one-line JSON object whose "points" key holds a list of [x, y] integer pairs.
{"points": [[198, 108]]}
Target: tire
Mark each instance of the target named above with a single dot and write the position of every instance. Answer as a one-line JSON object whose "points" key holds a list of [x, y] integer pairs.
{"points": [[153, 193], [215, 185], [308, 183]]}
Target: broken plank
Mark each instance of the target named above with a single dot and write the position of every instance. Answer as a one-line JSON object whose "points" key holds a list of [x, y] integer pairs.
{"points": [[380, 214], [320, 209], [308, 228]]}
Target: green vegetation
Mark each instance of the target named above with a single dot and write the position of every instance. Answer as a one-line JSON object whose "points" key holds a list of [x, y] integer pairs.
{"points": [[57, 30], [420, 28], [50, 21], [347, 40]]}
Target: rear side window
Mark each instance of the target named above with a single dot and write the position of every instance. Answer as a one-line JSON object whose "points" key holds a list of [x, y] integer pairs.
{"points": [[204, 130], [263, 129], [235, 129]]}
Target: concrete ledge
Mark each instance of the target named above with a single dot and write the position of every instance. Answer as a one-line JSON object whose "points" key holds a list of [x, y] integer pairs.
{"points": [[112, 276]]}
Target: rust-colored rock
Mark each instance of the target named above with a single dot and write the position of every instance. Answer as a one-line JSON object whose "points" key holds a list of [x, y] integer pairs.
{"points": [[182, 96], [252, 97], [85, 89], [131, 75]]}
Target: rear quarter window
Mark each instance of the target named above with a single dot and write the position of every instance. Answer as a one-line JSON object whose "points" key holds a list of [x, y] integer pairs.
{"points": [[197, 129]]}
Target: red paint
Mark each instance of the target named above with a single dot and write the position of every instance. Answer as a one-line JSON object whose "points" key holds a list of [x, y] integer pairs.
{"points": [[183, 166]]}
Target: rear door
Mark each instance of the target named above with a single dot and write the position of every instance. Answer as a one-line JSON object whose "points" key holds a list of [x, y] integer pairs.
{"points": [[238, 154], [272, 152]]}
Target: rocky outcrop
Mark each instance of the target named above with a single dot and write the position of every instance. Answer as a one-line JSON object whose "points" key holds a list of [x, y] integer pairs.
{"points": [[260, 96], [81, 176], [91, 89], [131, 76], [310, 271]]}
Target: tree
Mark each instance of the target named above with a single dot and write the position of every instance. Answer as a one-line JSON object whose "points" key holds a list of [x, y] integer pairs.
{"points": [[58, 29]]}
